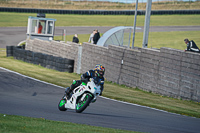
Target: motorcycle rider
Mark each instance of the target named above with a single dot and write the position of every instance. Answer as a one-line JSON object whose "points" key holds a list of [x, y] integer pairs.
{"points": [[98, 72]]}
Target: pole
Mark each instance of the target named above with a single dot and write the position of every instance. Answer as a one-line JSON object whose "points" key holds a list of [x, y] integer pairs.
{"points": [[64, 35], [134, 26], [147, 23]]}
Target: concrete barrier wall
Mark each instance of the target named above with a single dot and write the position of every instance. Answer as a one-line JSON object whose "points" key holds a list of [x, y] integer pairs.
{"points": [[45, 60], [167, 71], [114, 63], [190, 76], [149, 67], [92, 55], [65, 50], [131, 68], [170, 72]]}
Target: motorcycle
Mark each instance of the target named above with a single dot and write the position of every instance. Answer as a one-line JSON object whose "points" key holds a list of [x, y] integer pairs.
{"points": [[81, 96]]}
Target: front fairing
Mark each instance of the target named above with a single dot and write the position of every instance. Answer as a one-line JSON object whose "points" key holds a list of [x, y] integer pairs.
{"points": [[90, 87], [94, 88]]}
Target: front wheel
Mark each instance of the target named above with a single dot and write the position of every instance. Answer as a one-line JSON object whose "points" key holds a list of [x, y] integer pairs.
{"points": [[61, 104], [83, 103]]}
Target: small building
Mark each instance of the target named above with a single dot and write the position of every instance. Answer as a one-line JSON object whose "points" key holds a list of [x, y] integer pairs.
{"points": [[41, 27]]}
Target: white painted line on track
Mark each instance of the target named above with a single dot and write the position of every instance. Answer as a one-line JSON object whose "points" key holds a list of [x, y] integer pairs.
{"points": [[30, 77], [100, 96]]}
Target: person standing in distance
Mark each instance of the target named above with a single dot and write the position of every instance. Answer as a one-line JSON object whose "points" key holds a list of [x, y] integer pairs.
{"points": [[96, 37], [75, 39], [91, 37]]}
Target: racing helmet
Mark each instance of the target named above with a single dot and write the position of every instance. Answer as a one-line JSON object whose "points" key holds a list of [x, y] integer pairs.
{"points": [[99, 70]]}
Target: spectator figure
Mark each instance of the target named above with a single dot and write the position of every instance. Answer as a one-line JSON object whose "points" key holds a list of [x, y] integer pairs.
{"points": [[75, 39], [40, 28], [191, 46], [91, 37], [96, 37]]}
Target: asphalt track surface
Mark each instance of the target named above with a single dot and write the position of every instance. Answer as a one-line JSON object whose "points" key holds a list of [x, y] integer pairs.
{"points": [[24, 96], [14, 35]]}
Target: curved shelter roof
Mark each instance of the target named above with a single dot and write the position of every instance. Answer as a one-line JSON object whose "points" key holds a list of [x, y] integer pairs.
{"points": [[116, 36]]}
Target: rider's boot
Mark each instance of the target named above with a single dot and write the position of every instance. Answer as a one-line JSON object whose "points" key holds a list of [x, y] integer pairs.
{"points": [[68, 91]]}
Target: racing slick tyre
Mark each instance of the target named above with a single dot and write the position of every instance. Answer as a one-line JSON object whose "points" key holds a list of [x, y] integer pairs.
{"points": [[61, 105], [83, 103]]}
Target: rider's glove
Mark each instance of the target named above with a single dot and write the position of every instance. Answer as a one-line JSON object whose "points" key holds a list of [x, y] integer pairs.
{"points": [[83, 76]]}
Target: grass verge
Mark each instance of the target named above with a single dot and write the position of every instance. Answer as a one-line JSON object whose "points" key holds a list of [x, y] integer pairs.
{"points": [[156, 39], [127, 94], [9, 19], [172, 39], [20, 124], [100, 5]]}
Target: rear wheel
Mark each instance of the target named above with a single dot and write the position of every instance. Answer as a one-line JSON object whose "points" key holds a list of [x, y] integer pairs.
{"points": [[61, 104], [82, 104]]}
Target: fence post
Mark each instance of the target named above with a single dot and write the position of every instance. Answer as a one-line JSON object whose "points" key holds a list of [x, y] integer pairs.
{"points": [[78, 71], [147, 23]]}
